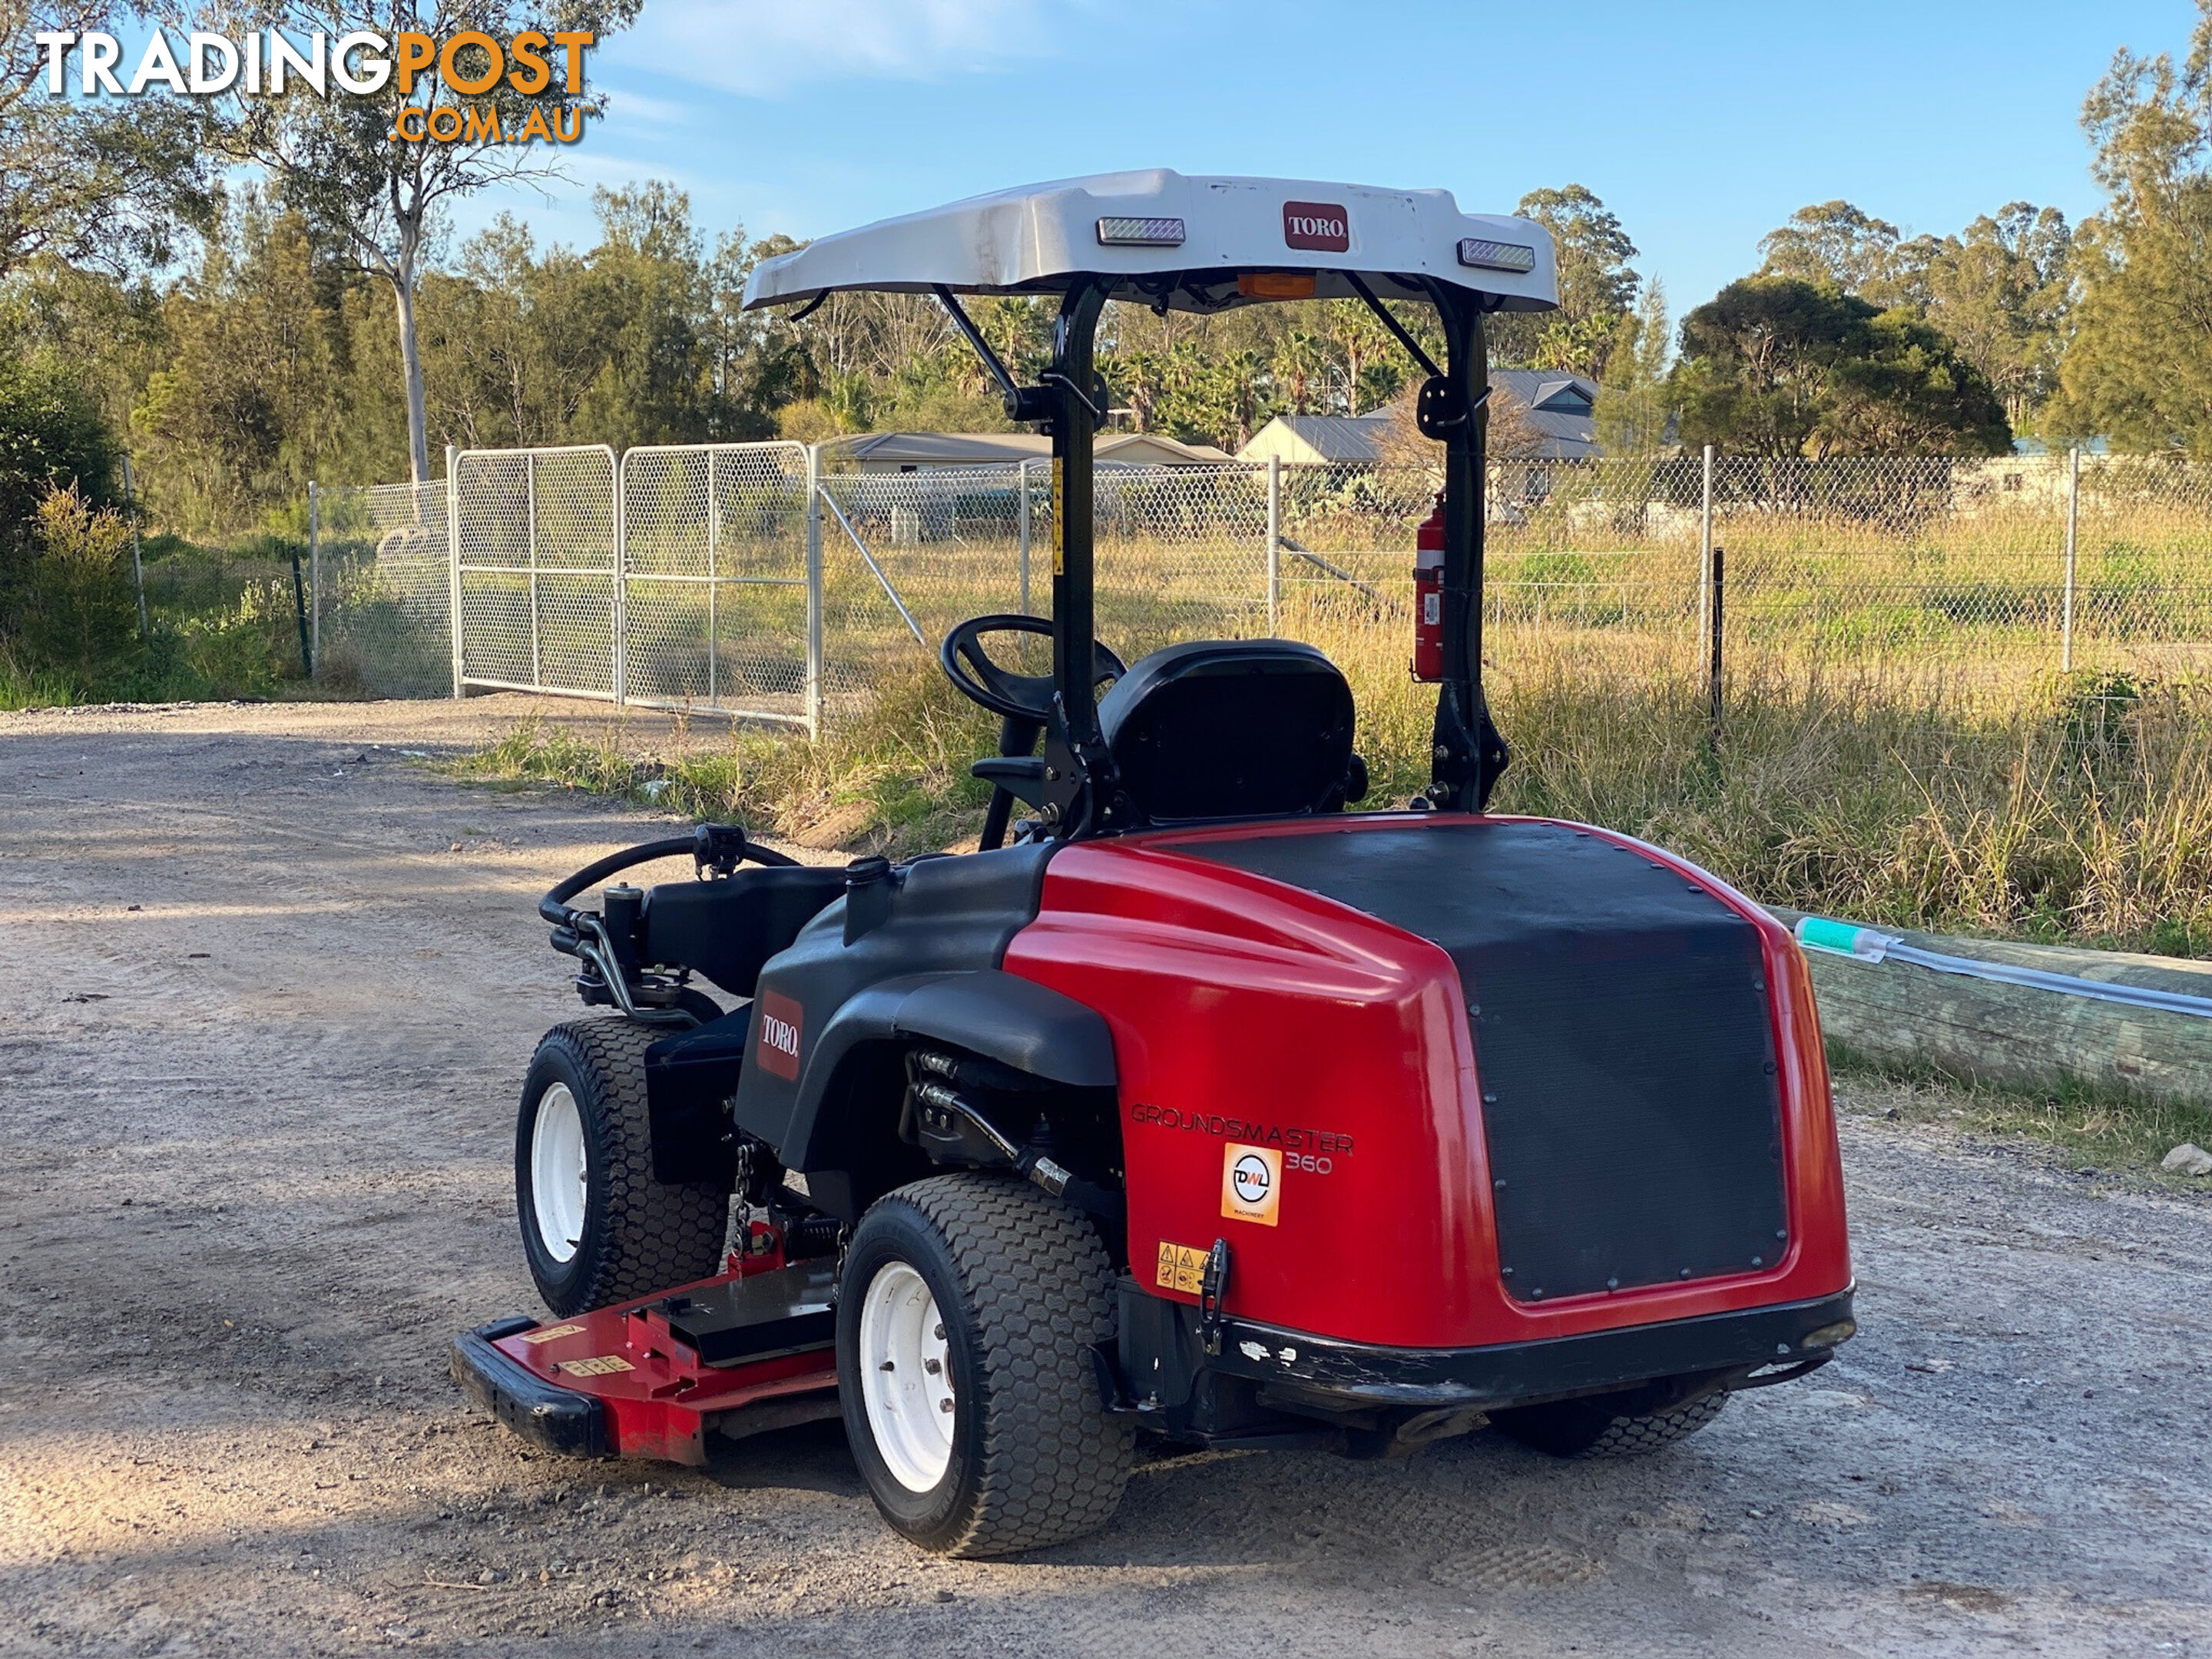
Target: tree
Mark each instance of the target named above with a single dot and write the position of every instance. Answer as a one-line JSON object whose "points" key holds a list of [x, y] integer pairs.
{"points": [[74, 613], [1597, 288], [1633, 410], [50, 438], [1778, 366], [1299, 370], [1374, 365], [248, 399], [1832, 242], [381, 199], [2139, 367], [2000, 290], [105, 181]]}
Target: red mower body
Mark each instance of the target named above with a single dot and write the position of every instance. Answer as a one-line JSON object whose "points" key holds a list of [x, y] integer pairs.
{"points": [[1336, 1053]]}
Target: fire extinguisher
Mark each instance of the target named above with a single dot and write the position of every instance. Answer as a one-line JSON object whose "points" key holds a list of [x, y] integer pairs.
{"points": [[1429, 596]]}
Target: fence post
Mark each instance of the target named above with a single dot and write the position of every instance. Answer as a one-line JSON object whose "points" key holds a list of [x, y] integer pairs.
{"points": [[137, 563], [714, 573], [530, 519], [1023, 467], [814, 590], [2073, 518], [453, 560], [622, 581], [299, 615], [1714, 598], [1274, 541], [1705, 556], [315, 569]]}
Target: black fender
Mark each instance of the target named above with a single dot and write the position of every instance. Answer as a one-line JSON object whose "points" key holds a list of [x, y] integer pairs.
{"points": [[688, 1078], [987, 1011]]}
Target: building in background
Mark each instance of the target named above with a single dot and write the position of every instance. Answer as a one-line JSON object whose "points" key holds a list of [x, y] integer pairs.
{"points": [[919, 452], [1561, 408]]}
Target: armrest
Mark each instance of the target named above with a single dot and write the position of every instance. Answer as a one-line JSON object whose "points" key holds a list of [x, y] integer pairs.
{"points": [[1022, 779]]}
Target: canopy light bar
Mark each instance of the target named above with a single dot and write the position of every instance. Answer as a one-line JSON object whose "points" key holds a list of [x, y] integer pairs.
{"points": [[1140, 233], [1496, 256]]}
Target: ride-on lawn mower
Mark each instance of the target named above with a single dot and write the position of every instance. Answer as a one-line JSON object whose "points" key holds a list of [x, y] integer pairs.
{"points": [[1196, 1105]]}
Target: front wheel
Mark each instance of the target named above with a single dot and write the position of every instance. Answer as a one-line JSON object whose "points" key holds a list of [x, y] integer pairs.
{"points": [[597, 1228], [966, 1317]]}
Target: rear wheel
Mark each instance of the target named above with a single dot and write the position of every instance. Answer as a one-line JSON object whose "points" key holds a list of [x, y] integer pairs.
{"points": [[1598, 1427], [596, 1226], [965, 1320]]}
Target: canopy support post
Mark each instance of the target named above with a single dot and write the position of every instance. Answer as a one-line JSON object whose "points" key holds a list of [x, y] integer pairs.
{"points": [[1468, 753], [1081, 796]]}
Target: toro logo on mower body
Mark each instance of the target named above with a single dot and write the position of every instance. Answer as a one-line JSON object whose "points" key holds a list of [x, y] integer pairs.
{"points": [[782, 1023], [1319, 227]]}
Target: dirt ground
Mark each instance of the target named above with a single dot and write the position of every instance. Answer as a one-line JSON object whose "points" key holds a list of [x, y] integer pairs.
{"points": [[272, 988]]}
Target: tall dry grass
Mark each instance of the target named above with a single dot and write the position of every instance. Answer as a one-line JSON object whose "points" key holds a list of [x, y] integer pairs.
{"points": [[2079, 810]]}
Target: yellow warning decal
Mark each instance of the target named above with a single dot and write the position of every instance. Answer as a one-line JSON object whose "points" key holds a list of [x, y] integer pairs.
{"points": [[1181, 1268], [551, 1331], [1059, 523], [605, 1365]]}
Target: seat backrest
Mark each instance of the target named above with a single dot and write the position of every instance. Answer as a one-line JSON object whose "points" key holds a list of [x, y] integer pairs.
{"points": [[1230, 728]]}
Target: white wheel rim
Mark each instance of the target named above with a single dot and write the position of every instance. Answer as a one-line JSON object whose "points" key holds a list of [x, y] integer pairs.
{"points": [[906, 1378], [557, 1188]]}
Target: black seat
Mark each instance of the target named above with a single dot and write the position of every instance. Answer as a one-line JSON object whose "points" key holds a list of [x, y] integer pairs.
{"points": [[1233, 728]]}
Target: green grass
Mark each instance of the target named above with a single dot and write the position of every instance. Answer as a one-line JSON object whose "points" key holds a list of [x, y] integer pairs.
{"points": [[893, 778], [2104, 1130], [222, 623]]}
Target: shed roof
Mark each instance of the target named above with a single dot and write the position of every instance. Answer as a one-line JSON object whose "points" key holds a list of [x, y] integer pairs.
{"points": [[881, 451]]}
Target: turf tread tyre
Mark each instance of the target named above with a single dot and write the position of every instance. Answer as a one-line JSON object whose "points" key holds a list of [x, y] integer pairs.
{"points": [[1588, 1429], [1035, 1289], [639, 1235]]}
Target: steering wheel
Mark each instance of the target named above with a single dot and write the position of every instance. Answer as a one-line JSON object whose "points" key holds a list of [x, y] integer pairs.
{"points": [[1009, 696]]}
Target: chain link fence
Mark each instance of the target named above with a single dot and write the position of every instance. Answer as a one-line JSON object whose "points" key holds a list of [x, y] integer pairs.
{"points": [[381, 616], [745, 579]]}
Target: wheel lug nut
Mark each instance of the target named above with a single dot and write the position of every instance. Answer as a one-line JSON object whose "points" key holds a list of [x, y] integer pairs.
{"points": [[945, 1404]]}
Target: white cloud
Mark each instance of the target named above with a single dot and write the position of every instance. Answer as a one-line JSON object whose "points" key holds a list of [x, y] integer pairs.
{"points": [[636, 106], [763, 47]]}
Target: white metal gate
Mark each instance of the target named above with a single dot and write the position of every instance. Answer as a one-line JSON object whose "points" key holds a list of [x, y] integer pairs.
{"points": [[537, 570], [720, 585]]}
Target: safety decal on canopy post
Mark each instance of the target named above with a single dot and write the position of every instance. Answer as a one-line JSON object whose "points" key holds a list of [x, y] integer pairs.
{"points": [[1059, 524]]}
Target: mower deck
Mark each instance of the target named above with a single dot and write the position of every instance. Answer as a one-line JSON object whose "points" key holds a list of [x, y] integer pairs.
{"points": [[751, 1350]]}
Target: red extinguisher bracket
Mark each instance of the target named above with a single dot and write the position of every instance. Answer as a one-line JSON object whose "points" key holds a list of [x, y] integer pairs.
{"points": [[1429, 597]]}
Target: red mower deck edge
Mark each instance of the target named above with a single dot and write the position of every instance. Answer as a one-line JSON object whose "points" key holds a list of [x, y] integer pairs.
{"points": [[625, 1382]]}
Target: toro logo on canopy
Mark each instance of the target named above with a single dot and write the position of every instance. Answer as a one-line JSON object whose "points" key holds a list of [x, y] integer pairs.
{"points": [[1319, 227], [781, 1023]]}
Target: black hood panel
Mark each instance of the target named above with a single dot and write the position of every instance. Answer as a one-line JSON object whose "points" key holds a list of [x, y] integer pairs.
{"points": [[1622, 1038]]}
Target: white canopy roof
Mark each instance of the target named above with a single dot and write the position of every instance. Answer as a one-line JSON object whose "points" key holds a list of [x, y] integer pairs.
{"points": [[1183, 240]]}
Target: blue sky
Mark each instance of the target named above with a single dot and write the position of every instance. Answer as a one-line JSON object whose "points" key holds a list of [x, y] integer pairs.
{"points": [[1703, 126]]}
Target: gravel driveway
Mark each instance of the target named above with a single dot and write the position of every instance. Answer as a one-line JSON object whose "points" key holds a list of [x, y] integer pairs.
{"points": [[272, 988]]}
